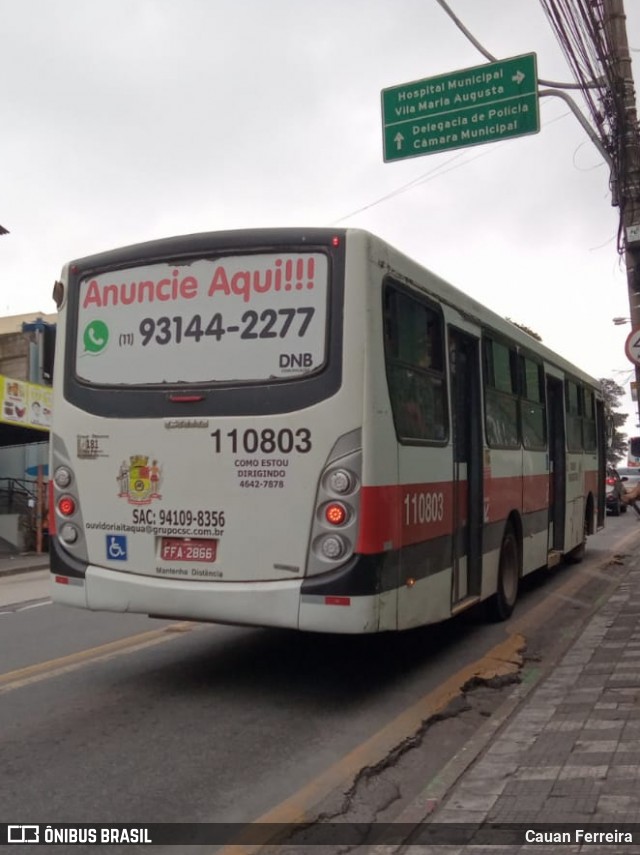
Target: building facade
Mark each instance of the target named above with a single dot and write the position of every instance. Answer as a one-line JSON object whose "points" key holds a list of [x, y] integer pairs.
{"points": [[26, 371]]}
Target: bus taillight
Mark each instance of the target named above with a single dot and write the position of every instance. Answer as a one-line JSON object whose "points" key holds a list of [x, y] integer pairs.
{"points": [[69, 533], [333, 547], [341, 481], [62, 477], [336, 513], [66, 506], [335, 525]]}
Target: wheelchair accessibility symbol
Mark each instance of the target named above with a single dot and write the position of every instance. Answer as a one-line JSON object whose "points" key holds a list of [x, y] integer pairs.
{"points": [[117, 547]]}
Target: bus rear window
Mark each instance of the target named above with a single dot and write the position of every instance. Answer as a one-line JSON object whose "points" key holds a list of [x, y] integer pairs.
{"points": [[237, 318]]}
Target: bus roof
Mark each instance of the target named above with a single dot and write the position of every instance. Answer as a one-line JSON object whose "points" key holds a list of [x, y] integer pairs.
{"points": [[395, 260]]}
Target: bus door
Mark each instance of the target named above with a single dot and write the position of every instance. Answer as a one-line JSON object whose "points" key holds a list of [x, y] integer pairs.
{"points": [[602, 464], [466, 429], [557, 463]]}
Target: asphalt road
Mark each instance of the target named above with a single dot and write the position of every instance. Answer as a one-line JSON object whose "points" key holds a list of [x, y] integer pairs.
{"points": [[118, 718]]}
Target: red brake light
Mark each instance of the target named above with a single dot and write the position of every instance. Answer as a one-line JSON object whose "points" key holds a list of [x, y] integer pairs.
{"points": [[335, 513], [66, 506]]}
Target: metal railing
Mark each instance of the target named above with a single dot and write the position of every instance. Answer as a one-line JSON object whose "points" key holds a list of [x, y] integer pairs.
{"points": [[17, 495]]}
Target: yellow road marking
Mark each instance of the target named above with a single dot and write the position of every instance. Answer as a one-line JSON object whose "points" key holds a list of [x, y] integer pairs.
{"points": [[502, 659], [63, 664]]}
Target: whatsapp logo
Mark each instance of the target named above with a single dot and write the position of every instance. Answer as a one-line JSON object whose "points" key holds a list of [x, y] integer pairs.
{"points": [[96, 336]]}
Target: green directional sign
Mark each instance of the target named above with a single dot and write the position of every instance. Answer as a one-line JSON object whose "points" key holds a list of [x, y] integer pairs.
{"points": [[487, 103]]}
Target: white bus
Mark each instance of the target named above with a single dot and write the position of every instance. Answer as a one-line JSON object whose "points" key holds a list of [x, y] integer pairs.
{"points": [[633, 456], [304, 428]]}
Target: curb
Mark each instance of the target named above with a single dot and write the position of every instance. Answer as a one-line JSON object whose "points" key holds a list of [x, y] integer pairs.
{"points": [[423, 807], [22, 569]]}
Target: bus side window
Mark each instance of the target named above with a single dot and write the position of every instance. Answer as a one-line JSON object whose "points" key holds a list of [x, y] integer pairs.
{"points": [[589, 432], [415, 367], [533, 413], [574, 409], [500, 395]]}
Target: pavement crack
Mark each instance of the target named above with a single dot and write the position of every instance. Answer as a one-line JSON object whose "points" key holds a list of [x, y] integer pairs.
{"points": [[499, 671], [498, 681], [372, 793], [456, 707], [358, 793]]}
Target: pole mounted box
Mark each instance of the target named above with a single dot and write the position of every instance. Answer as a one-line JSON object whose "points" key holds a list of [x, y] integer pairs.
{"points": [[632, 236]]}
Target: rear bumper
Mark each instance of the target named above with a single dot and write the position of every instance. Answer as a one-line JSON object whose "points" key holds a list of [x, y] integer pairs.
{"points": [[266, 604], [337, 602]]}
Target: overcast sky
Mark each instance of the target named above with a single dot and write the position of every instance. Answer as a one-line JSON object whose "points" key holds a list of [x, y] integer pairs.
{"points": [[130, 120]]}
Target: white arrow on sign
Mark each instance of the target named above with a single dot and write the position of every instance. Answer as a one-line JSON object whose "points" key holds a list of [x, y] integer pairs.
{"points": [[518, 77], [398, 140], [632, 347]]}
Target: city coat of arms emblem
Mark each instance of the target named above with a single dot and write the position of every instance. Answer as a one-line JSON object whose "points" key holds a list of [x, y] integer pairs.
{"points": [[139, 480]]}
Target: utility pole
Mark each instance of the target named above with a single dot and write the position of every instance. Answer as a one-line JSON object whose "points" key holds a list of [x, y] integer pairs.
{"points": [[627, 180]]}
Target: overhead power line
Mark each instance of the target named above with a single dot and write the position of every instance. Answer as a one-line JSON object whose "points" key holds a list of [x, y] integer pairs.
{"points": [[445, 6], [588, 35], [593, 36]]}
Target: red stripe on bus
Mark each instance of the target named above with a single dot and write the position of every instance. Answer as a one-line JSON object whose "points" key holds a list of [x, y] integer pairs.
{"points": [[393, 516], [537, 493], [399, 515], [524, 493], [379, 520], [591, 482]]}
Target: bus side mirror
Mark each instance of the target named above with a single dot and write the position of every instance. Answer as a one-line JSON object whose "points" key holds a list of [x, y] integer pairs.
{"points": [[48, 352]]}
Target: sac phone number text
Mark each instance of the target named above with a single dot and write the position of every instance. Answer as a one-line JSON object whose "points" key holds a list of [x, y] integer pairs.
{"points": [[170, 517]]}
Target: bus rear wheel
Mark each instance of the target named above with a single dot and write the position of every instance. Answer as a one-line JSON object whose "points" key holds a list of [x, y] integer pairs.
{"points": [[501, 605]]}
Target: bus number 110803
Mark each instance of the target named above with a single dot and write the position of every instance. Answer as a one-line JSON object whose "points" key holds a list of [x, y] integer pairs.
{"points": [[423, 507], [266, 441]]}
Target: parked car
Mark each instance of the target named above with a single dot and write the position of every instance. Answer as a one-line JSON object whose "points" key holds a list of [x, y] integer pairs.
{"points": [[615, 491], [630, 475]]}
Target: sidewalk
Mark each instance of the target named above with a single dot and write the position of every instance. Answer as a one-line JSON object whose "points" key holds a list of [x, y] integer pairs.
{"points": [[568, 757], [12, 565]]}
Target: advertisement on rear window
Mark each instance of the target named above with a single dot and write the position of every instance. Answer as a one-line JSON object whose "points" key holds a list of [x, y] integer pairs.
{"points": [[236, 318]]}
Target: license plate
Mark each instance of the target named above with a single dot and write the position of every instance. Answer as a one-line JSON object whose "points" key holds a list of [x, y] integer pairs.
{"points": [[188, 549]]}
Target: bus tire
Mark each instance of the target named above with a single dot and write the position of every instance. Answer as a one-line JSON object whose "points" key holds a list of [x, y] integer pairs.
{"points": [[502, 603]]}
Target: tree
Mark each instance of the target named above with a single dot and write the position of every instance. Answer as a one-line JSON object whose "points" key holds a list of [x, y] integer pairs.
{"points": [[526, 329], [616, 444]]}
